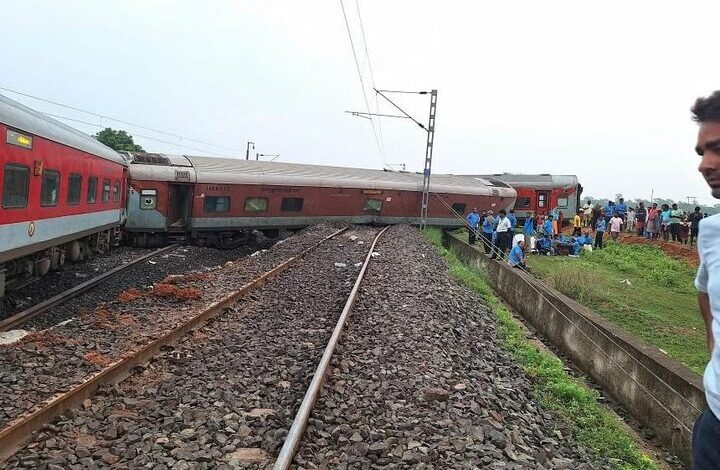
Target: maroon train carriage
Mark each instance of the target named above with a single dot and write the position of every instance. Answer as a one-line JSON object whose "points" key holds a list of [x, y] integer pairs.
{"points": [[543, 193], [62, 194], [219, 201]]}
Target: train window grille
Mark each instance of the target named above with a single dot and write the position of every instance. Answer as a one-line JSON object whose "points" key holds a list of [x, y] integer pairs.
{"points": [[74, 189], [92, 190], [291, 204], [459, 207], [562, 202], [217, 203], [148, 199], [106, 191], [116, 192], [256, 204], [16, 183], [50, 188], [522, 203], [373, 205]]}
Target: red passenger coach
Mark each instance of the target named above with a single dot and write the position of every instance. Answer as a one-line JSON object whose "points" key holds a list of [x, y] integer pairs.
{"points": [[543, 193], [219, 201], [62, 193]]}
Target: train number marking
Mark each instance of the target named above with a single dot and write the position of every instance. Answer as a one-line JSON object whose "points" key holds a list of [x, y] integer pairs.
{"points": [[31, 229]]}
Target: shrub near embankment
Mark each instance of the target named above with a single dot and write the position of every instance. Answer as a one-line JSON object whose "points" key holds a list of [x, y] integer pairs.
{"points": [[593, 426], [639, 288]]}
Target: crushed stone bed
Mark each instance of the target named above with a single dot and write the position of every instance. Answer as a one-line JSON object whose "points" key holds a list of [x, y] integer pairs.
{"points": [[48, 362]]}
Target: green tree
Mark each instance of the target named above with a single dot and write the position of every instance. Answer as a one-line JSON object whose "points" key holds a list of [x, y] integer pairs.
{"points": [[118, 140]]}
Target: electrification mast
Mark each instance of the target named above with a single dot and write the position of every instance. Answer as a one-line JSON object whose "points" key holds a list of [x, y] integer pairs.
{"points": [[428, 160]]}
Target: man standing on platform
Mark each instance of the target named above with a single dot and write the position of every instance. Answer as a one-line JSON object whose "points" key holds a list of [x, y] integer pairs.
{"points": [[529, 230], [472, 220], [706, 433], [503, 232]]}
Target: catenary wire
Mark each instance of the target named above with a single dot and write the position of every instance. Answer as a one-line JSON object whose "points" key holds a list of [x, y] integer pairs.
{"points": [[372, 75], [102, 116], [582, 332], [362, 83], [57, 116]]}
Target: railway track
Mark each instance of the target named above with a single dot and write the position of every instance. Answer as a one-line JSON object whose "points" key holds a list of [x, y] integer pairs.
{"points": [[16, 320], [18, 432], [417, 381]]}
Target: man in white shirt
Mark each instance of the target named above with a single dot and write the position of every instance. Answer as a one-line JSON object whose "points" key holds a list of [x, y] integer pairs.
{"points": [[504, 234], [706, 433]]}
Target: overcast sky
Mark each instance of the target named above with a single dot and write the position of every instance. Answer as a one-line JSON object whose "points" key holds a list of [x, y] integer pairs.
{"points": [[558, 87]]}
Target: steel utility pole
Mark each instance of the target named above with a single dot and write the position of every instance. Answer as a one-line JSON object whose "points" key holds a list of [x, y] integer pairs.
{"points": [[247, 151], [428, 160]]}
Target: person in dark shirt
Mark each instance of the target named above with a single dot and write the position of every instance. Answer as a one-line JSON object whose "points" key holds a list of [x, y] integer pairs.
{"points": [[695, 219], [640, 219]]}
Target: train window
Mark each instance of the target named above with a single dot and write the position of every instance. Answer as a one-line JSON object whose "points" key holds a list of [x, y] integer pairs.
{"points": [[116, 192], [374, 205], [148, 199], [74, 189], [218, 204], [459, 207], [50, 188], [291, 204], [92, 190], [106, 191], [562, 202], [256, 204], [522, 203], [16, 181]]}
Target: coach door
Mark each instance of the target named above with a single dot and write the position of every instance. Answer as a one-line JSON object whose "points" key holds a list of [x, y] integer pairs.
{"points": [[543, 201], [179, 210]]}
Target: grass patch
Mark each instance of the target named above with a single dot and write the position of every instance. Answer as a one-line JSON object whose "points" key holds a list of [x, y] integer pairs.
{"points": [[594, 427], [659, 305]]}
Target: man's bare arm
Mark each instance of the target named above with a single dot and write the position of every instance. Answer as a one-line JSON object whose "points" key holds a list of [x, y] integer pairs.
{"points": [[704, 303]]}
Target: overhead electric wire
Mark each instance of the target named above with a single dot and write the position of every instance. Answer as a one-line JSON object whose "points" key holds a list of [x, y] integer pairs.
{"points": [[134, 135], [102, 116], [372, 74], [362, 83]]}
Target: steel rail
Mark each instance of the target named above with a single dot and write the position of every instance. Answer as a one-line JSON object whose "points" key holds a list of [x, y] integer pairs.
{"points": [[292, 441], [17, 434], [27, 314]]}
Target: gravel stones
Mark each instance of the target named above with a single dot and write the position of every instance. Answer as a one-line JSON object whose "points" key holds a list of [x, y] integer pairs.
{"points": [[49, 362], [225, 396], [419, 380]]}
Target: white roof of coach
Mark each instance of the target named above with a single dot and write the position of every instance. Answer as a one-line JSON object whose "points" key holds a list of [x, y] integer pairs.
{"points": [[22, 118], [541, 181], [237, 171], [161, 167]]}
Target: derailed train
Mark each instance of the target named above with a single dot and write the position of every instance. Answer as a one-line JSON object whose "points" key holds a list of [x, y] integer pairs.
{"points": [[215, 201], [65, 196]]}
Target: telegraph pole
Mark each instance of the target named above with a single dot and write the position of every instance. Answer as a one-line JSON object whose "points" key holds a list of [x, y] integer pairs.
{"points": [[247, 151], [428, 160]]}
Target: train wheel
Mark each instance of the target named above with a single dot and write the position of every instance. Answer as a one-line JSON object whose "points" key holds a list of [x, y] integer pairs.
{"points": [[72, 251]]}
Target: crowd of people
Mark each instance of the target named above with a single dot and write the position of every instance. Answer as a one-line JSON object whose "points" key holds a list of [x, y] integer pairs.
{"points": [[542, 233]]}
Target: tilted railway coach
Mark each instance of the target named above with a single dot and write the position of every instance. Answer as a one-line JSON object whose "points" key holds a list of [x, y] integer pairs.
{"points": [[543, 193], [63, 193], [217, 201]]}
